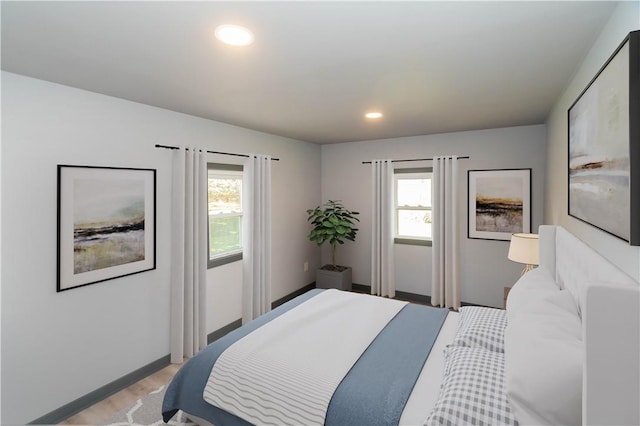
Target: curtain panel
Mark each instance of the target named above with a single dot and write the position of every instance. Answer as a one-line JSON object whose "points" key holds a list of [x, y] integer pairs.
{"points": [[382, 214], [188, 253], [445, 284], [256, 237]]}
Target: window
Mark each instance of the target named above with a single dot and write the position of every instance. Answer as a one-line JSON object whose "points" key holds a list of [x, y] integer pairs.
{"points": [[413, 209], [225, 213]]}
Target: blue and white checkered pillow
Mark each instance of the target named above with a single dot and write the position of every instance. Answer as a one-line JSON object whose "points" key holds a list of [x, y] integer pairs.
{"points": [[481, 327], [472, 391]]}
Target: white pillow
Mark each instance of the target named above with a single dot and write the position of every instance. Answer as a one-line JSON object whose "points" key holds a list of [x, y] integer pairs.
{"points": [[543, 362], [532, 286]]}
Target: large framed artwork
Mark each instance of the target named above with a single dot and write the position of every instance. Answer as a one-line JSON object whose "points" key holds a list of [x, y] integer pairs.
{"points": [[499, 203], [604, 146], [106, 223]]}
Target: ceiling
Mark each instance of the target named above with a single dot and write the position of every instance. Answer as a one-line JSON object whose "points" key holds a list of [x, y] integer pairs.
{"points": [[315, 67]]}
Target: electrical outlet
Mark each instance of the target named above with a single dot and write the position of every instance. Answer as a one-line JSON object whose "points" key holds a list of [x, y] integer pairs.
{"points": [[306, 266]]}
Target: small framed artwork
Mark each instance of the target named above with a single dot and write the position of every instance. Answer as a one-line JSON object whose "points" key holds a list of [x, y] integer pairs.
{"points": [[499, 203], [604, 146], [106, 223]]}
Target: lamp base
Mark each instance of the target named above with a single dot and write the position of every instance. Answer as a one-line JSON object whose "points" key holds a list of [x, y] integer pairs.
{"points": [[526, 269]]}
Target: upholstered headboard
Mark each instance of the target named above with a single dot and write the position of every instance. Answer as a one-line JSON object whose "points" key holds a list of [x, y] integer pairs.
{"points": [[609, 302]]}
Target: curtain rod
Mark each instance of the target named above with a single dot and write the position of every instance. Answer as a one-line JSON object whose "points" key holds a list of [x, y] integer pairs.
{"points": [[414, 159], [211, 152]]}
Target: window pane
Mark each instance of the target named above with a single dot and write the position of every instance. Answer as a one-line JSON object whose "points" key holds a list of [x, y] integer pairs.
{"points": [[414, 223], [225, 195], [414, 192], [225, 234], [225, 213]]}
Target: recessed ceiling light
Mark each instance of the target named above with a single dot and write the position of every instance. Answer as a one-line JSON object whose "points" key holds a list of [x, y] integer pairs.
{"points": [[234, 35], [373, 114]]}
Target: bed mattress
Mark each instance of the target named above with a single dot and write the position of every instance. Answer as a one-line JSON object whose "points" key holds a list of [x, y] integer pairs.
{"points": [[185, 392]]}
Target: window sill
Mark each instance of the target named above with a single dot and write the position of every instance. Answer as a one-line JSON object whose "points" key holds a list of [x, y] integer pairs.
{"points": [[412, 242], [223, 260]]}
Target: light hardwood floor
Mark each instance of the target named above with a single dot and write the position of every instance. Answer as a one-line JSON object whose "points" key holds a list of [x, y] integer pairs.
{"points": [[121, 400]]}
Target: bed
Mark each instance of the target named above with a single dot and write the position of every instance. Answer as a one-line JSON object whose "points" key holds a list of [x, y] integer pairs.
{"points": [[547, 359]]}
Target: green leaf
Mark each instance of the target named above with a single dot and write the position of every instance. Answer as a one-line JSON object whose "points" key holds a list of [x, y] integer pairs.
{"points": [[332, 222]]}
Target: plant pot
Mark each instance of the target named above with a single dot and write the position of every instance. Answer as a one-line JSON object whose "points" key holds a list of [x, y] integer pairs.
{"points": [[326, 278]]}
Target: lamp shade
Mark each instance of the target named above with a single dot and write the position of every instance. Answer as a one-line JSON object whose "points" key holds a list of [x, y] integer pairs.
{"points": [[524, 249]]}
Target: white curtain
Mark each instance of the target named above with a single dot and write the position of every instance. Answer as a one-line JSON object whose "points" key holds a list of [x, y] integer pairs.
{"points": [[445, 285], [256, 237], [188, 254], [382, 265]]}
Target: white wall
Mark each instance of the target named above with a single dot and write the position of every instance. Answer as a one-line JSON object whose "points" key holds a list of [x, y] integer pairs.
{"points": [[625, 18], [485, 269], [57, 347]]}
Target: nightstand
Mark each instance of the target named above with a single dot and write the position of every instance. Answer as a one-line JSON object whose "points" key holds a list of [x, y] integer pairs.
{"points": [[506, 293]]}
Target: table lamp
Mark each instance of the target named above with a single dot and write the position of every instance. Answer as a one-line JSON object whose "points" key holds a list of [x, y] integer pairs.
{"points": [[524, 249]]}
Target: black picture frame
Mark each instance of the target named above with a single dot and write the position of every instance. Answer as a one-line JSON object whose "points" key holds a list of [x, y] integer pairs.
{"points": [[603, 167], [106, 224], [498, 203]]}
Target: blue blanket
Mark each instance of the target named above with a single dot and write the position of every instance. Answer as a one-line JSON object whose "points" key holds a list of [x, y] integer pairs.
{"points": [[378, 386], [375, 391]]}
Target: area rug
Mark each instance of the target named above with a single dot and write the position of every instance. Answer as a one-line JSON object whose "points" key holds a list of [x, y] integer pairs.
{"points": [[147, 411]]}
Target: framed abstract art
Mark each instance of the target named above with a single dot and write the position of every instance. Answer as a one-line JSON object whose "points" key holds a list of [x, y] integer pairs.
{"points": [[106, 223], [604, 146], [499, 203]]}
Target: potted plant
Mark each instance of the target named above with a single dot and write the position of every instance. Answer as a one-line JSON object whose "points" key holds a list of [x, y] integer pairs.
{"points": [[332, 222]]}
